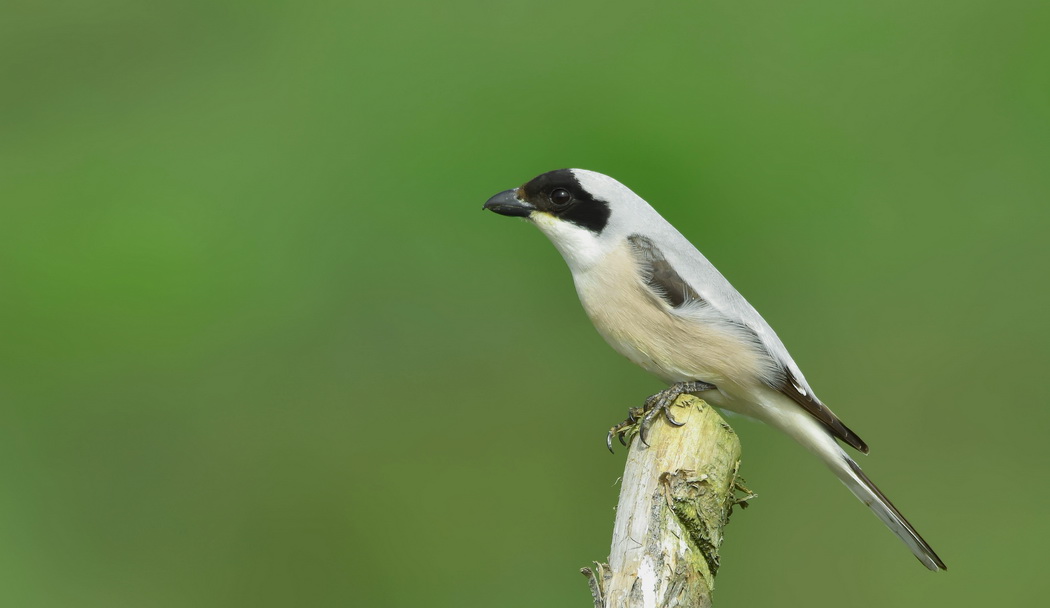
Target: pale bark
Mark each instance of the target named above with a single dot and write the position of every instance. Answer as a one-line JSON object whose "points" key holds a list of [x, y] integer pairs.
{"points": [[675, 499]]}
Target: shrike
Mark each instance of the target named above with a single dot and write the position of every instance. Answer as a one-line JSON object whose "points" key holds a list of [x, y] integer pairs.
{"points": [[660, 303]]}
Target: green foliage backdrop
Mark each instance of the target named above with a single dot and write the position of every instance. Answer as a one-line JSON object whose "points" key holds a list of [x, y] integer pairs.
{"points": [[259, 345]]}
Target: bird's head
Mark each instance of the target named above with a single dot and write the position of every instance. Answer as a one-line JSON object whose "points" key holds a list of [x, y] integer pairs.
{"points": [[585, 214]]}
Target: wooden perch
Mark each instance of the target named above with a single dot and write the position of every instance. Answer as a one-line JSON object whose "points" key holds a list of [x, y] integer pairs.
{"points": [[675, 499]]}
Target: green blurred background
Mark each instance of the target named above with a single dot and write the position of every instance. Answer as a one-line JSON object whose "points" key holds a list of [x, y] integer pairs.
{"points": [[259, 345]]}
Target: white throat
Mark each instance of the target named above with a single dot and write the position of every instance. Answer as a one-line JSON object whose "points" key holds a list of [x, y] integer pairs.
{"points": [[580, 247]]}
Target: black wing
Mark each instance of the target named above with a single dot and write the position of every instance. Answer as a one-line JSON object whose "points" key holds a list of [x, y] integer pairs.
{"points": [[658, 274], [790, 386]]}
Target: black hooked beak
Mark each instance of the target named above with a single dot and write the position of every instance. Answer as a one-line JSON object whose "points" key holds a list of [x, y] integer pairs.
{"points": [[507, 203]]}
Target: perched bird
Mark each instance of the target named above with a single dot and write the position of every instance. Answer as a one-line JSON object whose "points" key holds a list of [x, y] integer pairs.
{"points": [[660, 303]]}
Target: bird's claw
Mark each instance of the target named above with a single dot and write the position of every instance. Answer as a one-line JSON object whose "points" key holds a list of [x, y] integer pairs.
{"points": [[621, 430], [641, 419]]}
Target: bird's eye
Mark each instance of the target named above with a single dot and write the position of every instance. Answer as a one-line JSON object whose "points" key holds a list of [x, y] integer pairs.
{"points": [[560, 197]]}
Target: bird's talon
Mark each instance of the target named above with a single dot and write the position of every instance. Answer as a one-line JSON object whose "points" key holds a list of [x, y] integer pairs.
{"points": [[641, 419]]}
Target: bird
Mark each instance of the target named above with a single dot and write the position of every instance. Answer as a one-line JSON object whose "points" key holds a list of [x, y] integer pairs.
{"points": [[660, 303]]}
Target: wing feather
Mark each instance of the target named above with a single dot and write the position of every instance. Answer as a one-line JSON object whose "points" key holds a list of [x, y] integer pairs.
{"points": [[798, 393], [658, 274]]}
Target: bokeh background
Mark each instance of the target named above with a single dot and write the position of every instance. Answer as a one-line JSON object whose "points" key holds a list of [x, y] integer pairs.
{"points": [[260, 346]]}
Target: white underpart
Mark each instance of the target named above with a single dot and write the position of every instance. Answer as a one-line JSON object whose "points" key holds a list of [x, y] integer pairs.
{"points": [[692, 343]]}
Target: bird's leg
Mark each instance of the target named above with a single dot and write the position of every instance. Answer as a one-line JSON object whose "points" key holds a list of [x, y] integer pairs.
{"points": [[644, 416]]}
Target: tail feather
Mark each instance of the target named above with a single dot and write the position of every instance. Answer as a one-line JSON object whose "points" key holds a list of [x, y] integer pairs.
{"points": [[864, 489], [787, 416]]}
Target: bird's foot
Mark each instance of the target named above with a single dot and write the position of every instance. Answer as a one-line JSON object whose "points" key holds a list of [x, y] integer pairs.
{"points": [[640, 419]]}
